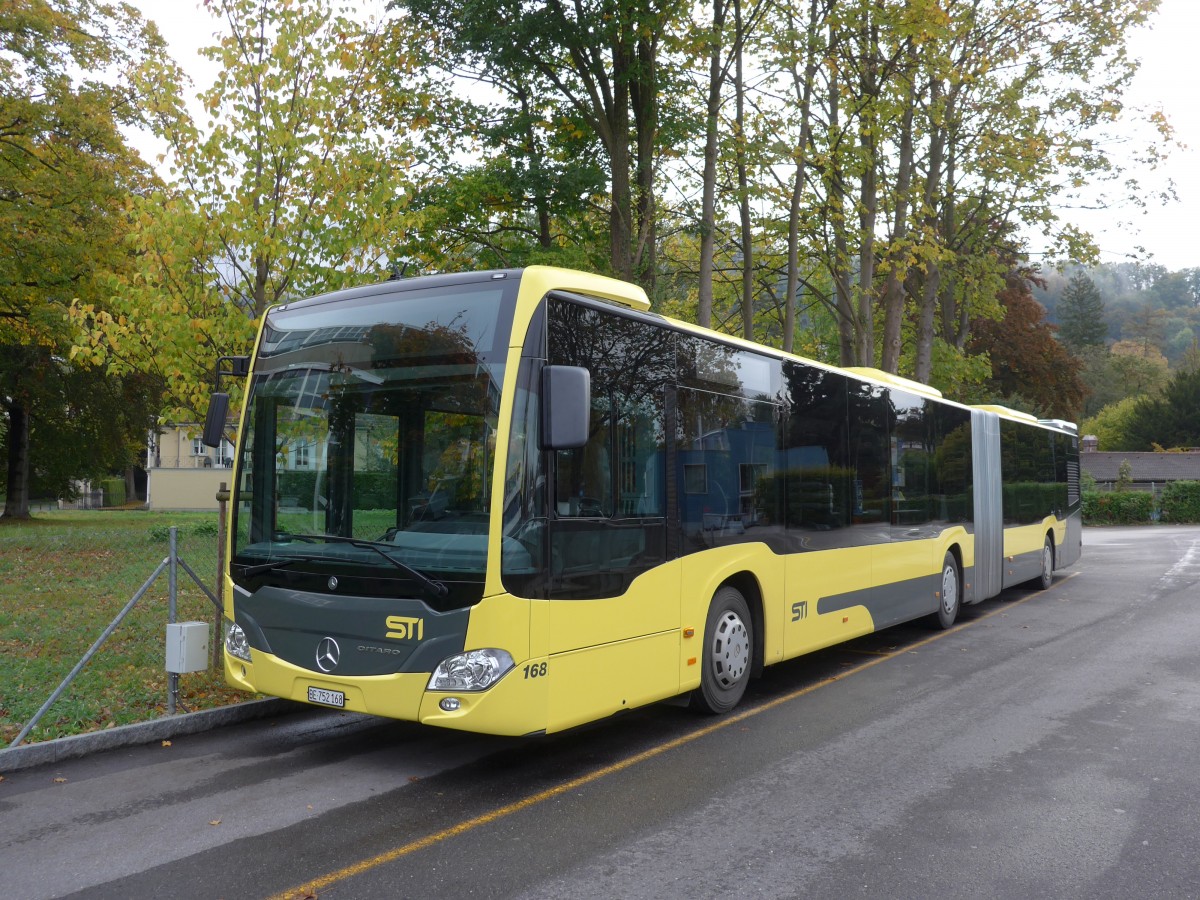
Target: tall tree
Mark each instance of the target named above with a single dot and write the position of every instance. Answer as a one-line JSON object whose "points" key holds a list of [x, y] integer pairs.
{"points": [[604, 59], [65, 177], [946, 125], [718, 72], [1081, 314], [1027, 361], [508, 174], [291, 186], [1172, 420]]}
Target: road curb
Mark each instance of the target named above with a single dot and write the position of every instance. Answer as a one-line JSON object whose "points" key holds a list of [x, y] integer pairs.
{"points": [[47, 752]]}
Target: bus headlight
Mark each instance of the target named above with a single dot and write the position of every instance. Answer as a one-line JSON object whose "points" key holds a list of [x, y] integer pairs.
{"points": [[235, 642], [475, 670]]}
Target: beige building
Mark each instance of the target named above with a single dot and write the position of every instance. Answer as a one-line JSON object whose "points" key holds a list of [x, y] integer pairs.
{"points": [[183, 473]]}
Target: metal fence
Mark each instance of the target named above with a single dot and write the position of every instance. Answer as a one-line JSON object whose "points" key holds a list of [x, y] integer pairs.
{"points": [[67, 578]]}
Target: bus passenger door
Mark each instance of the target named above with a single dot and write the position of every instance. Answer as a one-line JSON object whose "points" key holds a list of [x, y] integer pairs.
{"points": [[614, 601]]}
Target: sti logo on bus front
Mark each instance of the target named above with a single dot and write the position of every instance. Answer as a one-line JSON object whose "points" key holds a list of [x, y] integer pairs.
{"points": [[405, 628]]}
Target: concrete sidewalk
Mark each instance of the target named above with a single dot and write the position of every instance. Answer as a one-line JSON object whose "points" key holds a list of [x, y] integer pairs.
{"points": [[45, 752]]}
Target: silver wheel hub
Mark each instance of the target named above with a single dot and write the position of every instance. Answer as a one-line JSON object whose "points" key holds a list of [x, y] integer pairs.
{"points": [[949, 590], [730, 649]]}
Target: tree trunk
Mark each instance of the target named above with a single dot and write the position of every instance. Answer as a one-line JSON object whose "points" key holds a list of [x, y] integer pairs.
{"points": [[893, 289], [927, 311], [747, 234], [868, 199], [644, 94], [16, 500], [793, 261], [716, 80], [621, 215], [925, 321], [956, 317], [840, 272]]}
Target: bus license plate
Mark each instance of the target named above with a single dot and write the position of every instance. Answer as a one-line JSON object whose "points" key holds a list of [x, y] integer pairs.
{"points": [[327, 698]]}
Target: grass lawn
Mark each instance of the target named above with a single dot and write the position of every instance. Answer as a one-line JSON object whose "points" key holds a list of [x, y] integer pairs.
{"points": [[64, 576]]}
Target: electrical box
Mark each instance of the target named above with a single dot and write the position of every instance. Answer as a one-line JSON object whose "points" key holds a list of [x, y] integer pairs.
{"points": [[187, 647]]}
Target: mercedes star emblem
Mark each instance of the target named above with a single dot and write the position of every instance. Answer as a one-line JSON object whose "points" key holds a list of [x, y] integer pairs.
{"points": [[328, 654], [333, 583]]}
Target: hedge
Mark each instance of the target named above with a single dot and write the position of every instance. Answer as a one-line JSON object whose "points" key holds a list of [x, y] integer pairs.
{"points": [[114, 491], [1118, 508], [1180, 502]]}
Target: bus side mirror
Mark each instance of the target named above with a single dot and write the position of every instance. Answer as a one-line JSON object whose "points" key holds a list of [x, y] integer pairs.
{"points": [[566, 407], [214, 422]]}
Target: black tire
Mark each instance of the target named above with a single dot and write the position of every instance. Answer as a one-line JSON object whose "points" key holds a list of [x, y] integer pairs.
{"points": [[950, 596], [1046, 579], [728, 653]]}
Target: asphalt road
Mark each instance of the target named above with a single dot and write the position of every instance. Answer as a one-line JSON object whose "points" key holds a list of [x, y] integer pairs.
{"points": [[1044, 747]]}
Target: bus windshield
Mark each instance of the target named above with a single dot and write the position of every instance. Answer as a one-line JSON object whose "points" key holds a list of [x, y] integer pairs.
{"points": [[366, 465]]}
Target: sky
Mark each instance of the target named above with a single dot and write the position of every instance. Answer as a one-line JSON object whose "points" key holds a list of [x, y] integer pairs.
{"points": [[1164, 233], [1168, 231]]}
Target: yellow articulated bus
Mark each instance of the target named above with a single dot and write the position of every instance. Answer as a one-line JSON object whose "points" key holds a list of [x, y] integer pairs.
{"points": [[517, 501]]}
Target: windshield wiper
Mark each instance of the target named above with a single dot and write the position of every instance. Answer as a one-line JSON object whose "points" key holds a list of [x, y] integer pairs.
{"points": [[434, 587], [251, 571]]}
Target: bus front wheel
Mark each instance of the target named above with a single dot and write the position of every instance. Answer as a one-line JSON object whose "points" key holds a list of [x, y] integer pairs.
{"points": [[728, 653]]}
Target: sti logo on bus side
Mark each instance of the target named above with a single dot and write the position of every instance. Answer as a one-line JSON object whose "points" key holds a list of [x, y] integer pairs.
{"points": [[405, 628]]}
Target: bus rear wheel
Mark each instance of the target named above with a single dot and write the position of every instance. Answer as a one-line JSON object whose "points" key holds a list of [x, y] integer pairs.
{"points": [[950, 597], [728, 653]]}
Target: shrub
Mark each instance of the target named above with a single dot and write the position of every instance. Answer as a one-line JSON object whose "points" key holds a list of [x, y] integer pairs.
{"points": [[1123, 508], [1181, 502]]}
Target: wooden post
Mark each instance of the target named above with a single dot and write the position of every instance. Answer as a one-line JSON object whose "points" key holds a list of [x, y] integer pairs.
{"points": [[219, 631]]}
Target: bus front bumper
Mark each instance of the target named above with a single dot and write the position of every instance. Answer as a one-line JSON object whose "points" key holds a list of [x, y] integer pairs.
{"points": [[516, 705]]}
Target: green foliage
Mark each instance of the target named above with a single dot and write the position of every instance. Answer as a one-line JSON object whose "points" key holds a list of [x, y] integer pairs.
{"points": [[1087, 481], [205, 528], [961, 376], [509, 182], [1111, 508], [1180, 502], [1113, 376]]}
